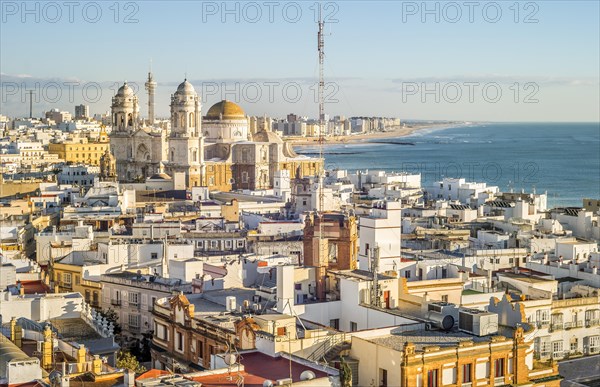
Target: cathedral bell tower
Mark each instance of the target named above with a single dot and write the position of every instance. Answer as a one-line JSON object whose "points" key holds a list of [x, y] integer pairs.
{"points": [[125, 110], [186, 143]]}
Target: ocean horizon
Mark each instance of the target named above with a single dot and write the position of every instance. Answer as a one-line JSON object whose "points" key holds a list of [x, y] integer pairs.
{"points": [[562, 159]]}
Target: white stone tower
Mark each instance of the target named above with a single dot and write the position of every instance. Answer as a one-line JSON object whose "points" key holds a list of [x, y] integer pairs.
{"points": [[186, 143], [125, 110]]}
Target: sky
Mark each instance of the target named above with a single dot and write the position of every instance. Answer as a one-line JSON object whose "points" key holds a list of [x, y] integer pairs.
{"points": [[470, 61]]}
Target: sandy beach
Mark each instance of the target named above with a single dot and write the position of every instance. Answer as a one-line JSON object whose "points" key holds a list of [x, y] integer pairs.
{"points": [[394, 132]]}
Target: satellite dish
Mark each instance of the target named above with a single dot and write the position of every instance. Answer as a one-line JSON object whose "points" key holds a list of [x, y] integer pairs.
{"points": [[267, 383], [230, 359], [307, 375]]}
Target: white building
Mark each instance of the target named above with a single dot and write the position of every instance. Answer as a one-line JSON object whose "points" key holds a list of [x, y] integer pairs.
{"points": [[382, 230]]}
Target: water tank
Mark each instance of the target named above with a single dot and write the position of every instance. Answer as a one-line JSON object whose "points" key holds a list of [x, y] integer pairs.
{"points": [[230, 303], [445, 322]]}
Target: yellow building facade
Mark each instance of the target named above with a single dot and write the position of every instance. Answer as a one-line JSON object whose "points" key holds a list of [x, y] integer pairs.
{"points": [[69, 278], [81, 152]]}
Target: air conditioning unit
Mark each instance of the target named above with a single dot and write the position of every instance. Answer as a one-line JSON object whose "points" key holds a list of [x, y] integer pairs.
{"points": [[230, 303], [477, 322], [284, 382], [443, 315]]}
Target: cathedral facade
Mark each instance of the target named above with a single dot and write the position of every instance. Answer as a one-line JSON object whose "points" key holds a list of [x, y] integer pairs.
{"points": [[217, 151], [138, 151]]}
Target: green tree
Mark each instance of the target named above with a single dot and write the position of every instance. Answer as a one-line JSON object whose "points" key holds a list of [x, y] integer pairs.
{"points": [[126, 360]]}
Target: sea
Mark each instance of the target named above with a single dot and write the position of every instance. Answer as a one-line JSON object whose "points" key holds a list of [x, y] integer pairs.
{"points": [[562, 159]]}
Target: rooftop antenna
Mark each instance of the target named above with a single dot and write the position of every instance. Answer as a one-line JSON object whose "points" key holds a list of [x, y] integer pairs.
{"points": [[321, 173]]}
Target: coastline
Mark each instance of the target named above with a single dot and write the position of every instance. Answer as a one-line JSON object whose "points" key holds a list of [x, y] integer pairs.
{"points": [[396, 132]]}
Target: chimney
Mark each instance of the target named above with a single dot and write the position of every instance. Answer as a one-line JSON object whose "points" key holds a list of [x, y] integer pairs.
{"points": [[81, 352], [16, 332], [47, 348], [96, 365], [129, 378]]}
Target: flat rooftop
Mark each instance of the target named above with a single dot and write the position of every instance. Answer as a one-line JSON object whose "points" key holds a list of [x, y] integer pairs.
{"points": [[422, 339]]}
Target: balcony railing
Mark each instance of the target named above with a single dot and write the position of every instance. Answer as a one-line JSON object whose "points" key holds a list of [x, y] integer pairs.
{"points": [[470, 384], [499, 381], [66, 285], [543, 324], [574, 324], [557, 326], [133, 328], [115, 302], [591, 323]]}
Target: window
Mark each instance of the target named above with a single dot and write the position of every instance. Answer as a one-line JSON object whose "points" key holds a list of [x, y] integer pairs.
{"points": [[67, 278], [407, 274], [134, 320], [87, 296], [383, 377], [445, 298], [432, 378], [574, 344], [499, 368], [557, 349], [179, 341], [134, 298], [77, 281], [200, 349], [353, 326], [593, 344], [281, 331], [154, 256], [366, 249], [466, 376], [335, 323]]}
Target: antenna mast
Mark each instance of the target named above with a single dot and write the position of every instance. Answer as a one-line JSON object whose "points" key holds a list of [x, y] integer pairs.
{"points": [[321, 46], [30, 103]]}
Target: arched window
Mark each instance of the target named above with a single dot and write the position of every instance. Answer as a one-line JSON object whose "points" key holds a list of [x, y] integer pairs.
{"points": [[183, 120], [192, 120], [174, 120], [172, 155], [129, 119], [194, 155]]}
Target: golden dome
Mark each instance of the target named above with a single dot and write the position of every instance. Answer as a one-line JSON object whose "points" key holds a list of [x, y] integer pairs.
{"points": [[225, 110]]}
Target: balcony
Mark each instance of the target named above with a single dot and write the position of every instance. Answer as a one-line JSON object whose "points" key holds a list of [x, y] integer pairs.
{"points": [[115, 302], [557, 326], [134, 305], [543, 324], [574, 324], [470, 384], [591, 323], [499, 381], [133, 328], [66, 285]]}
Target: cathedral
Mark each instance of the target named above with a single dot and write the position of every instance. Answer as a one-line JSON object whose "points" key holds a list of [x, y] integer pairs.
{"points": [[217, 151]]}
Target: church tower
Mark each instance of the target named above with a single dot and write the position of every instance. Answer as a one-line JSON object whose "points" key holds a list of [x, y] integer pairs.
{"points": [[125, 110], [186, 143]]}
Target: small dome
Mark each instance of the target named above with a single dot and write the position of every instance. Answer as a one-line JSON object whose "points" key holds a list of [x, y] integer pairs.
{"points": [[185, 88], [266, 136], [125, 90], [160, 176], [225, 110]]}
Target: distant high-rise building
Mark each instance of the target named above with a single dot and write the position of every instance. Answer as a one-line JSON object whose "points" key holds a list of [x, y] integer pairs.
{"points": [[292, 117], [82, 111]]}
